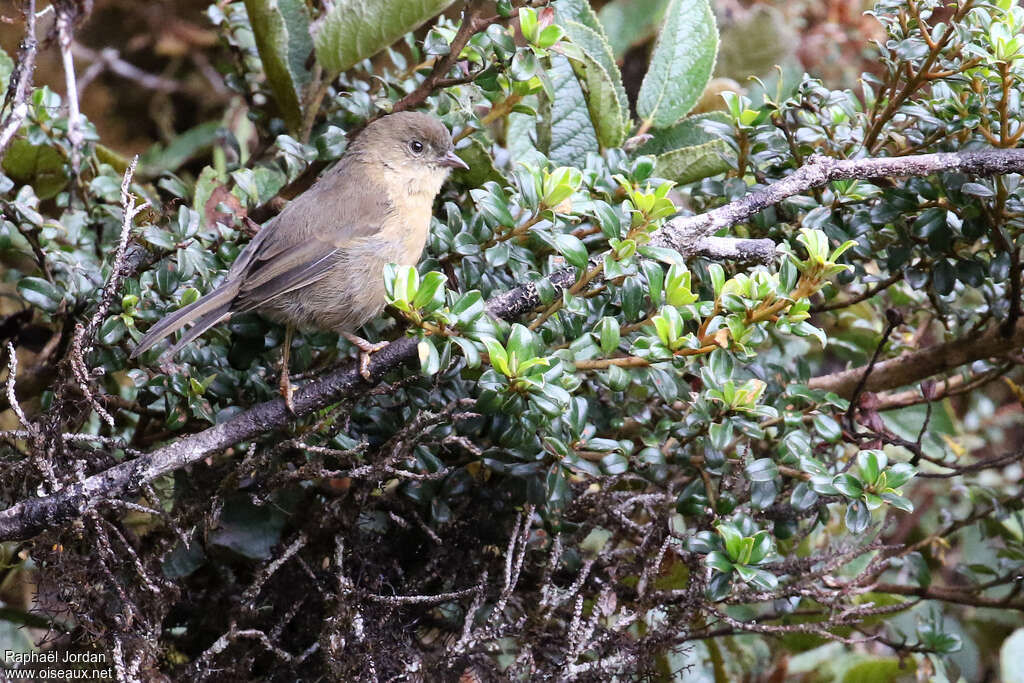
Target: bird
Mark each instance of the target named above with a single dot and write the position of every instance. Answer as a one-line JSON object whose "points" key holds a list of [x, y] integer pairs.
{"points": [[319, 264]]}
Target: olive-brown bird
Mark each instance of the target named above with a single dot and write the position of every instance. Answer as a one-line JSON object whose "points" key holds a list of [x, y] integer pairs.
{"points": [[319, 263]]}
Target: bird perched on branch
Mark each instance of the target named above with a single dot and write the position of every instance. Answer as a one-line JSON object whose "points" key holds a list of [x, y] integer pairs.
{"points": [[319, 263]]}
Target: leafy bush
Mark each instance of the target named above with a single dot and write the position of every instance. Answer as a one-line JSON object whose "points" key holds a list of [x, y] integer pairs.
{"points": [[627, 433]]}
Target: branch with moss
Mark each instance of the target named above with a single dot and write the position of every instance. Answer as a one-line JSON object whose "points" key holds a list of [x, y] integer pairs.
{"points": [[690, 235]]}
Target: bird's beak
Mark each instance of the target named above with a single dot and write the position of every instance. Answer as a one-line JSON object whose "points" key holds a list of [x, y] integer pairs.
{"points": [[451, 160]]}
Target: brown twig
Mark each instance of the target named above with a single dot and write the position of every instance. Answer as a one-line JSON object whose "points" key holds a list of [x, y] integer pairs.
{"points": [[473, 21], [31, 516]]}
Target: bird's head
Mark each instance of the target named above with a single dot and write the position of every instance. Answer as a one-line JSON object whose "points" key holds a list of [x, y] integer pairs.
{"points": [[414, 150]]}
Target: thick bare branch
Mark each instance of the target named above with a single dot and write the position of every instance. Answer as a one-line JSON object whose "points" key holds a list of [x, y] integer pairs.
{"points": [[32, 516], [914, 367]]}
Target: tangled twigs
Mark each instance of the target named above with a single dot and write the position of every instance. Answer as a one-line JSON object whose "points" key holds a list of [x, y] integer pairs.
{"points": [[29, 517], [81, 342], [473, 21], [31, 429]]}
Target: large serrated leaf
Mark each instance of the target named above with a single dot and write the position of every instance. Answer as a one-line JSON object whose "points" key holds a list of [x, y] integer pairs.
{"points": [[356, 29], [580, 12], [681, 65], [596, 70], [630, 22], [281, 30], [609, 110], [689, 164], [572, 134], [688, 132]]}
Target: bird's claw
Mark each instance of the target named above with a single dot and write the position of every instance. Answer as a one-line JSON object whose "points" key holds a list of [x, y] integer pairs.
{"points": [[364, 358], [287, 392], [366, 349]]}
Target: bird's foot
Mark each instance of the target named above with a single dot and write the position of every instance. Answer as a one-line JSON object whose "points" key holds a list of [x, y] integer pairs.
{"points": [[287, 391], [366, 349]]}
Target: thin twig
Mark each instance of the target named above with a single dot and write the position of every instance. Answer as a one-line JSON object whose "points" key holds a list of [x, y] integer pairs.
{"points": [[66, 19], [30, 516], [20, 86], [81, 343]]}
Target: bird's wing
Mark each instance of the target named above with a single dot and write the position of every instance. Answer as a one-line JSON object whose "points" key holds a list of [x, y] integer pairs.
{"points": [[304, 242], [287, 270]]}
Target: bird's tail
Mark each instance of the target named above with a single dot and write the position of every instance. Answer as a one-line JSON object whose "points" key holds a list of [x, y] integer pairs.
{"points": [[205, 313]]}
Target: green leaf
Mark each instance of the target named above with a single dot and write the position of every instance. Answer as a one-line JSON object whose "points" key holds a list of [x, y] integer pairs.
{"points": [[40, 293], [686, 133], [732, 538], [594, 66], [803, 496], [681, 65], [761, 547], [871, 463], [40, 166], [572, 134], [849, 485], [528, 23], [356, 29], [481, 166], [557, 490], [248, 529], [112, 330], [281, 30], [630, 22], [857, 517], [764, 469], [717, 275], [898, 502], [430, 361], [1011, 664], [522, 344], [468, 307], [182, 148], [718, 561], [608, 331], [571, 248], [498, 356], [828, 428], [433, 282], [899, 474], [690, 164], [6, 68], [469, 350]]}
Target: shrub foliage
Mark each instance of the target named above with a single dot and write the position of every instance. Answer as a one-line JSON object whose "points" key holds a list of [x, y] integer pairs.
{"points": [[657, 452]]}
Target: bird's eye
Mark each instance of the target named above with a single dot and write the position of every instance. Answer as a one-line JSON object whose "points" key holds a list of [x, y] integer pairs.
{"points": [[416, 146]]}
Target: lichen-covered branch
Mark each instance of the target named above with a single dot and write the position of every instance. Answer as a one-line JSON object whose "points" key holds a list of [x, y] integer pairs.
{"points": [[686, 234]]}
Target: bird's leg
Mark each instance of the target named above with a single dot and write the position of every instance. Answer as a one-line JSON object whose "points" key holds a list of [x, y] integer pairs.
{"points": [[366, 348], [285, 384]]}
